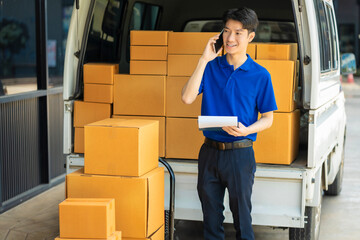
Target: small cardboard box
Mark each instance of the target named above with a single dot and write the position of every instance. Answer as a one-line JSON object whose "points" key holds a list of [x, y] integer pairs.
{"points": [[148, 38], [273, 51], [87, 218], [283, 78], [158, 235], [139, 201], [161, 129], [139, 95], [100, 93], [174, 105], [79, 140], [148, 53], [114, 236], [189, 42], [87, 112], [121, 147], [148, 67], [182, 65], [100, 73], [183, 138], [281, 140]]}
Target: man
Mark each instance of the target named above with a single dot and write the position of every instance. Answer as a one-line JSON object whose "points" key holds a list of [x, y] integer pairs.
{"points": [[232, 85]]}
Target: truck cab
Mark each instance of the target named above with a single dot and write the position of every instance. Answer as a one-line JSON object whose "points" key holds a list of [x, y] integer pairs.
{"points": [[286, 196]]}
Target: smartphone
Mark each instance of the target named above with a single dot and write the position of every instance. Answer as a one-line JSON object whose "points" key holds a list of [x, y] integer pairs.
{"points": [[220, 42]]}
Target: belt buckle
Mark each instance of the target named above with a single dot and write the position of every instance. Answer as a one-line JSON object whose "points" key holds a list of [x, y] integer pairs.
{"points": [[221, 146]]}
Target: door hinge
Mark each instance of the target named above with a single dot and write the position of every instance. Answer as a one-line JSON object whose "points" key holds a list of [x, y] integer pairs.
{"points": [[311, 118], [68, 107]]}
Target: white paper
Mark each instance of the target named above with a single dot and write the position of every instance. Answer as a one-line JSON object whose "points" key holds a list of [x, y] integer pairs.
{"points": [[216, 123]]}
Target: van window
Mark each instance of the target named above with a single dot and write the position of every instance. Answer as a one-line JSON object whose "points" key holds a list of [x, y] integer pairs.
{"points": [[104, 32], [267, 31], [327, 36], [144, 17]]}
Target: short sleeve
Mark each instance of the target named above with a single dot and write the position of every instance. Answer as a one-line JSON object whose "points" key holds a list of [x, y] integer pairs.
{"points": [[266, 98]]}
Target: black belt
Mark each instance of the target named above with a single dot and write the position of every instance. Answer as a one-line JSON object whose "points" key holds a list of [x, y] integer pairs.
{"points": [[244, 143]]}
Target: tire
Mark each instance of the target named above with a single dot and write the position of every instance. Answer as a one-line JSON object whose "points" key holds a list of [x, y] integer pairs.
{"points": [[334, 189], [311, 230]]}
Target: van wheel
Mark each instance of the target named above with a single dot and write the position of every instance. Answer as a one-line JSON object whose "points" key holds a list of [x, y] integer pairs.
{"points": [[311, 230], [334, 189]]}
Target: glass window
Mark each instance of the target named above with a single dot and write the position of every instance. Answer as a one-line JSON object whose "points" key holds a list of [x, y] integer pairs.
{"points": [[324, 36], [104, 33], [335, 42], [144, 17], [58, 21], [17, 47]]}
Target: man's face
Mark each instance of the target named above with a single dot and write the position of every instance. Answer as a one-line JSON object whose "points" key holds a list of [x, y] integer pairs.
{"points": [[235, 37]]}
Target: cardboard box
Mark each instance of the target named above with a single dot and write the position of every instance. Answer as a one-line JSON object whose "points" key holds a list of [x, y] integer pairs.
{"points": [[251, 50], [148, 53], [139, 201], [100, 93], [283, 79], [79, 140], [114, 236], [148, 67], [273, 51], [148, 38], [161, 129], [87, 218], [189, 42], [100, 73], [87, 112], [139, 95], [121, 147], [182, 65], [183, 138], [158, 235], [174, 105], [279, 144]]}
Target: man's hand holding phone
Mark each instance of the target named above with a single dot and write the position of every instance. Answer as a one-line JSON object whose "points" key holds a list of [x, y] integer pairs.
{"points": [[210, 53]]}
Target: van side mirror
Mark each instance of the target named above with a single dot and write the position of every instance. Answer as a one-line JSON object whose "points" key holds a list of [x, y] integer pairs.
{"points": [[348, 63]]}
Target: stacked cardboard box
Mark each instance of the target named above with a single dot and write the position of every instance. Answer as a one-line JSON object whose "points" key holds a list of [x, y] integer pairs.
{"points": [[87, 218], [121, 162], [280, 143], [98, 98]]}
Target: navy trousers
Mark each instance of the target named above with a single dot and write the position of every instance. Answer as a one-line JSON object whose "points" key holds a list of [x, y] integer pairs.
{"points": [[232, 169]]}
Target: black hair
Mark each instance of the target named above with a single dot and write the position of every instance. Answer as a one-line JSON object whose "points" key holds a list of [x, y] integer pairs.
{"points": [[246, 16]]}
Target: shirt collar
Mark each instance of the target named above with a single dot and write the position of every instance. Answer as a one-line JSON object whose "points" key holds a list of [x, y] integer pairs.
{"points": [[245, 66]]}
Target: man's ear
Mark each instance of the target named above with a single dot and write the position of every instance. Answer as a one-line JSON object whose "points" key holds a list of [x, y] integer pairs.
{"points": [[251, 36]]}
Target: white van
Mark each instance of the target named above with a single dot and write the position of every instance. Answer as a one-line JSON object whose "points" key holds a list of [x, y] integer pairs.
{"points": [[286, 196]]}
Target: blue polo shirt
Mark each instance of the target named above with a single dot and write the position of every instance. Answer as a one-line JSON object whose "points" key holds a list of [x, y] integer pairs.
{"points": [[243, 92]]}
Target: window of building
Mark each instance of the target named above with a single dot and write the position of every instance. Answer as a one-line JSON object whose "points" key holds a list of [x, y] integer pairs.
{"points": [[17, 47]]}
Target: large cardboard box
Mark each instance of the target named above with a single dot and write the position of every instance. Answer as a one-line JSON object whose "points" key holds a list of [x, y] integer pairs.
{"points": [[148, 38], [158, 235], [127, 147], [139, 201], [273, 51], [161, 129], [283, 79], [182, 65], [148, 67], [100, 73], [100, 93], [114, 236], [279, 144], [87, 112], [79, 140], [148, 53], [87, 218], [174, 105], [183, 138], [189, 42], [139, 95]]}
